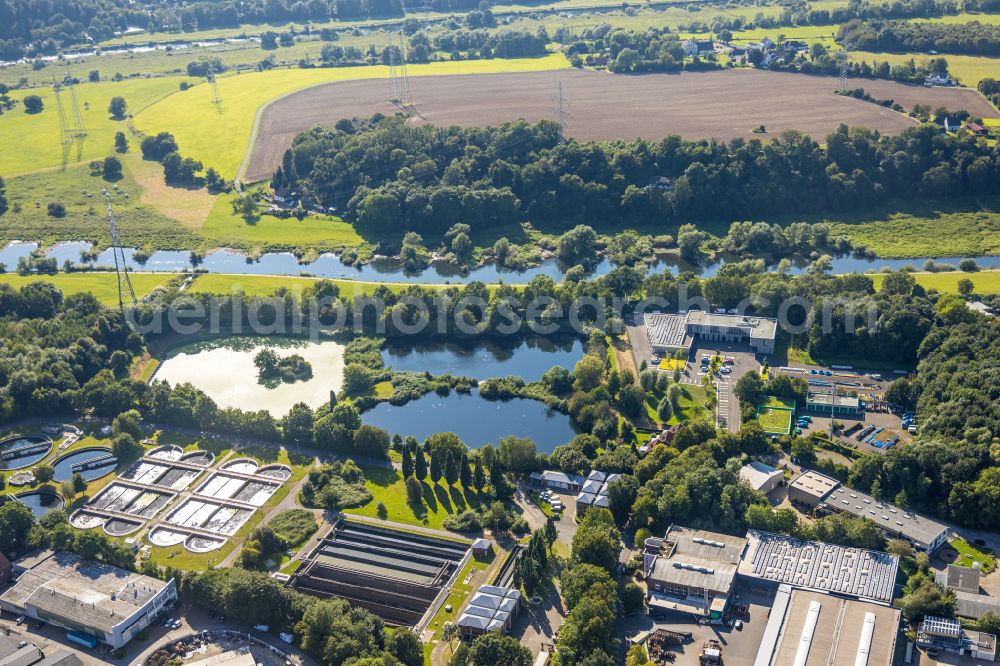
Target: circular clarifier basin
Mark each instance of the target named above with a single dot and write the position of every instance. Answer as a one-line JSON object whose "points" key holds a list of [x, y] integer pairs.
{"points": [[280, 472], [90, 463], [203, 458], [197, 544], [163, 537], [242, 466], [24, 451], [86, 521], [119, 527], [167, 452]]}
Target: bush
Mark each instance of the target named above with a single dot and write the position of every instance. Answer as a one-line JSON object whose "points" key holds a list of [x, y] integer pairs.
{"points": [[414, 491], [467, 521]]}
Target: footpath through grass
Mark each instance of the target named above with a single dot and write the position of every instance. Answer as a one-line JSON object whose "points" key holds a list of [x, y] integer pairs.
{"points": [[221, 137]]}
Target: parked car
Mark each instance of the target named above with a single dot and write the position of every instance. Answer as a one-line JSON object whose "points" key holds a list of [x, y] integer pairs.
{"points": [[288, 638], [261, 627], [739, 625], [726, 370], [20, 620]]}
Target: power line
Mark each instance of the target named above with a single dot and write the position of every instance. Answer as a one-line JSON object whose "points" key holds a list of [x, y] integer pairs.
{"points": [[121, 269], [216, 97], [65, 134]]}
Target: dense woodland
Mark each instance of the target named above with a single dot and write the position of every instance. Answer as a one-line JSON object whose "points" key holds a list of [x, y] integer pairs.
{"points": [[392, 177], [971, 38]]}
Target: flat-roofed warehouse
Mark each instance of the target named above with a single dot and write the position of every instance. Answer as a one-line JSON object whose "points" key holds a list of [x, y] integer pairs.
{"points": [[924, 533], [670, 332], [109, 604], [692, 571], [771, 560], [811, 488], [814, 629], [392, 573]]}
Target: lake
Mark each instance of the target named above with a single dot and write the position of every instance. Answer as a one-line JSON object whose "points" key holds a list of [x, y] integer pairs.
{"points": [[475, 420], [224, 370], [528, 358]]}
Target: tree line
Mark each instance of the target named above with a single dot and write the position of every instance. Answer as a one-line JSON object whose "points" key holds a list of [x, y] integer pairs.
{"points": [[392, 176], [973, 38]]}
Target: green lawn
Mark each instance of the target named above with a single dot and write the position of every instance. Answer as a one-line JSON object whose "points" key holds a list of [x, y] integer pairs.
{"points": [[220, 139], [969, 554], [984, 282], [691, 405], [102, 285], [440, 500], [775, 415]]}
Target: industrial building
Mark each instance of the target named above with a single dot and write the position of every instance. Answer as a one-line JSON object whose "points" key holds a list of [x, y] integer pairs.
{"points": [[762, 478], [492, 608], [814, 629], [949, 635], [692, 571], [30, 655], [95, 602], [394, 574], [924, 533], [844, 406], [772, 560], [963, 582], [669, 332], [594, 491], [812, 490]]}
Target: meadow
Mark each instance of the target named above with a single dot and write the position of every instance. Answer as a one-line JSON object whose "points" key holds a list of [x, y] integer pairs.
{"points": [[266, 285], [41, 132], [103, 285], [220, 137], [85, 218], [984, 282], [969, 70]]}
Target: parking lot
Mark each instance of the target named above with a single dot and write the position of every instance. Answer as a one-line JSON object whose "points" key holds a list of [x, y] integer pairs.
{"points": [[739, 646]]}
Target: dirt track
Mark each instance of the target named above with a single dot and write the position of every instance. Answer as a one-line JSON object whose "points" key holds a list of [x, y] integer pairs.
{"points": [[724, 105]]}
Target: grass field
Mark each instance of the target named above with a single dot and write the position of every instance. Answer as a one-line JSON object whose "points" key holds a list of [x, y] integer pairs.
{"points": [[969, 70], [139, 222], [102, 285], [984, 282], [265, 285], [440, 500], [964, 17], [41, 131], [775, 415], [219, 138], [319, 233]]}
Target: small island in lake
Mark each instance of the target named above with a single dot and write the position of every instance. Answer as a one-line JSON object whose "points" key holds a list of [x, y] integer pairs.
{"points": [[272, 368]]}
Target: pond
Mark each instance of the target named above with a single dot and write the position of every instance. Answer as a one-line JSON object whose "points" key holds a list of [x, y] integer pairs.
{"points": [[91, 463], [224, 370], [40, 503], [475, 420], [329, 265], [528, 358]]}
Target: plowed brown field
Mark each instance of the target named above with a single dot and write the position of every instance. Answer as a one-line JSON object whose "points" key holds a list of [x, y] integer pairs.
{"points": [[696, 105]]}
